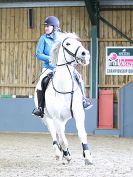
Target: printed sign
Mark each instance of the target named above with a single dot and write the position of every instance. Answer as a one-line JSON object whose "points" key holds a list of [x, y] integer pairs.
{"points": [[119, 60]]}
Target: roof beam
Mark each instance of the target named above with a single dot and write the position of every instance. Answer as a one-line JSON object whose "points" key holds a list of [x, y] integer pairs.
{"points": [[116, 3], [42, 4]]}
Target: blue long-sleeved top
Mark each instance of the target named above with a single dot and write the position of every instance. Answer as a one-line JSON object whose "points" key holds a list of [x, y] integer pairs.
{"points": [[43, 48]]}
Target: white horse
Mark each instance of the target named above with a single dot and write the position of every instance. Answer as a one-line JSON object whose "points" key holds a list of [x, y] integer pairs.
{"points": [[64, 97]]}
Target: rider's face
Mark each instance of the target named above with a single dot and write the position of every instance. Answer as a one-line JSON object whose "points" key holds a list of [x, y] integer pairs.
{"points": [[48, 29]]}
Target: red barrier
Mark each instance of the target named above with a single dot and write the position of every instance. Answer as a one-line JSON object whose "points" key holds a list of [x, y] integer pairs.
{"points": [[105, 109]]}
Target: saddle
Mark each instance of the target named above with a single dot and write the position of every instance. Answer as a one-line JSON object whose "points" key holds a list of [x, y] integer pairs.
{"points": [[46, 80]]}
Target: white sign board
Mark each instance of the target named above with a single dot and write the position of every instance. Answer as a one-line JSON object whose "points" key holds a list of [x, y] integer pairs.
{"points": [[119, 60]]}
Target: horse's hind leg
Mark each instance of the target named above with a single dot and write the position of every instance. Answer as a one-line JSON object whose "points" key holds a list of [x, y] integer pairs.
{"points": [[63, 140], [79, 118], [52, 130]]}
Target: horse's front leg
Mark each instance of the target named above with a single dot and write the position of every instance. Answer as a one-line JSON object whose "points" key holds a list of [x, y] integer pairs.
{"points": [[80, 118], [51, 127], [87, 154]]}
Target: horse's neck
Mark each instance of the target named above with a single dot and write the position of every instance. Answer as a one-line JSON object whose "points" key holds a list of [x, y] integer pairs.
{"points": [[65, 71], [62, 67], [64, 77]]}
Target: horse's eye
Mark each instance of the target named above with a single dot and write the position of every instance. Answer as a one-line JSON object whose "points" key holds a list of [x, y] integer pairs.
{"points": [[67, 43]]}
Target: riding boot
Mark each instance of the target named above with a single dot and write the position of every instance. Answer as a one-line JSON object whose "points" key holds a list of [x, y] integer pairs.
{"points": [[41, 102], [86, 102]]}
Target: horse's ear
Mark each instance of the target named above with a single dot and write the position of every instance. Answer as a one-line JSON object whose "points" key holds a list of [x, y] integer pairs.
{"points": [[76, 37]]}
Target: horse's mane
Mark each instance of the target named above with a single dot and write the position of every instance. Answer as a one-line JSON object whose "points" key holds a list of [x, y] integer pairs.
{"points": [[56, 46]]}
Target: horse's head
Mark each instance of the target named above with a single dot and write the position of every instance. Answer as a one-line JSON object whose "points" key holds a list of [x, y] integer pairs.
{"points": [[71, 50]]}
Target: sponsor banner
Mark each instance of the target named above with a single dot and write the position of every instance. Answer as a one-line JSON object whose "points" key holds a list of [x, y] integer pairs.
{"points": [[119, 60]]}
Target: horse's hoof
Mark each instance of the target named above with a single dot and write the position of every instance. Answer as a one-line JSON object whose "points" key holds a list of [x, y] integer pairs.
{"points": [[67, 155], [87, 162], [88, 157], [69, 158], [58, 155], [66, 160]]}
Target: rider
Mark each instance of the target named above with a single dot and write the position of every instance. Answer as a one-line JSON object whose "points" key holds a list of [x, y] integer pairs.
{"points": [[46, 41]]}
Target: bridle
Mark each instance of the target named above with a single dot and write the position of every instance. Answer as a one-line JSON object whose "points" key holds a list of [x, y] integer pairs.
{"points": [[66, 64], [69, 52]]}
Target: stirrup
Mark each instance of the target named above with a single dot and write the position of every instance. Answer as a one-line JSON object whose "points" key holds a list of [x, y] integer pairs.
{"points": [[38, 112]]}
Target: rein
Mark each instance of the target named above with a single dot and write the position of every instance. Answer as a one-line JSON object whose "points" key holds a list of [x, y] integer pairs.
{"points": [[71, 92], [72, 84], [68, 63]]}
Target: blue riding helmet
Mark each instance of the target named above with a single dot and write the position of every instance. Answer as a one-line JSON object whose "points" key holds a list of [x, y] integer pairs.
{"points": [[52, 21]]}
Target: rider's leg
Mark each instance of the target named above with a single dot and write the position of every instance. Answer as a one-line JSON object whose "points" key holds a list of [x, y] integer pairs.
{"points": [[86, 102], [40, 96]]}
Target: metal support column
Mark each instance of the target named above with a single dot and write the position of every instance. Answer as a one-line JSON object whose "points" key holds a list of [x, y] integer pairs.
{"points": [[94, 63]]}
